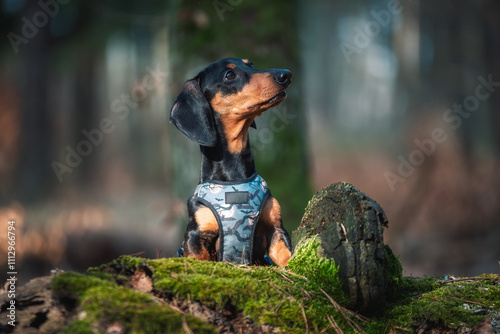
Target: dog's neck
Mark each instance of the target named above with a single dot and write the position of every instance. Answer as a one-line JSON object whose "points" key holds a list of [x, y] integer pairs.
{"points": [[224, 164]]}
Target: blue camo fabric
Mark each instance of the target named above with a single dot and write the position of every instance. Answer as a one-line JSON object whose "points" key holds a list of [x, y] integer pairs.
{"points": [[237, 207]]}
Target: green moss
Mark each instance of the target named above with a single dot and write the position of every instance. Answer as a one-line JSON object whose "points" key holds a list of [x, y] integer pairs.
{"points": [[74, 285], [290, 299], [321, 271], [137, 311], [394, 267], [104, 302], [394, 273], [444, 304], [268, 295], [256, 291], [78, 327]]}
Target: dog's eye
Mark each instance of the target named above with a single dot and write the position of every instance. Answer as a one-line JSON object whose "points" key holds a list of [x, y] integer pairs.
{"points": [[230, 75], [250, 64]]}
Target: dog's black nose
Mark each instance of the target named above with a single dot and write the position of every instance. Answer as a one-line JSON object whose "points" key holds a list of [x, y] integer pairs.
{"points": [[283, 77]]}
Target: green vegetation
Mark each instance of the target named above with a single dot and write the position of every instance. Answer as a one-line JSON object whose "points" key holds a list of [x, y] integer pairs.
{"points": [[445, 304], [394, 267], [259, 292], [102, 302], [78, 327], [320, 271], [304, 297]]}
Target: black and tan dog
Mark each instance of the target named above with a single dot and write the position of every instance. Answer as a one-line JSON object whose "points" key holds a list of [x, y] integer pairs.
{"points": [[216, 109]]}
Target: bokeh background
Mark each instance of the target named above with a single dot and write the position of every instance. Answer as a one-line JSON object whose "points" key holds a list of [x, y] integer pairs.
{"points": [[399, 98]]}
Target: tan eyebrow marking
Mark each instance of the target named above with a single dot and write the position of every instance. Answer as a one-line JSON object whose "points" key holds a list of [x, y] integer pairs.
{"points": [[231, 66], [246, 61]]}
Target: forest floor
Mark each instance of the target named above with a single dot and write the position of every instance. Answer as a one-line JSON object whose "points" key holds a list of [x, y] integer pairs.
{"points": [[180, 295]]}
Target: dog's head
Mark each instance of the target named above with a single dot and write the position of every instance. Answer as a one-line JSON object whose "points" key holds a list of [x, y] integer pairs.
{"points": [[230, 91]]}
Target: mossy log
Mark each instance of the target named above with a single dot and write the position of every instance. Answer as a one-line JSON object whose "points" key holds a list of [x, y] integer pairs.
{"points": [[350, 227], [134, 295]]}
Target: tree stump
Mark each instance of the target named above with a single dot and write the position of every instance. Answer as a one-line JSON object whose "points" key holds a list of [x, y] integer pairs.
{"points": [[350, 225]]}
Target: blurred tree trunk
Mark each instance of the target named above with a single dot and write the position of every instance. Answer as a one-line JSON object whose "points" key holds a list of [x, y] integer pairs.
{"points": [[491, 42], [87, 87], [467, 45], [35, 164], [448, 75]]}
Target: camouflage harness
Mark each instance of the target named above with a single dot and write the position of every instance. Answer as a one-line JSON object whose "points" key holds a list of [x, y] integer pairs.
{"points": [[237, 207]]}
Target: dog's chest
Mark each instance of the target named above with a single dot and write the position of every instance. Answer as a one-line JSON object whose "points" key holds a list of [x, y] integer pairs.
{"points": [[237, 207]]}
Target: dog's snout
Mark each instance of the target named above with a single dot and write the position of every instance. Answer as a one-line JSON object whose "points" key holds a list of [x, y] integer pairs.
{"points": [[283, 77]]}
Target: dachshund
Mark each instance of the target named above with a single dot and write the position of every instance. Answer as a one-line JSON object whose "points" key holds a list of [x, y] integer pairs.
{"points": [[232, 214]]}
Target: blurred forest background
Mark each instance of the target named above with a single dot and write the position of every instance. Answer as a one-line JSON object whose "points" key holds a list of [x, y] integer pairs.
{"points": [[399, 98]]}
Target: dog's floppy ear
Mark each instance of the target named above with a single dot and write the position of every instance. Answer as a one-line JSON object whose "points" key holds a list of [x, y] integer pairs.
{"points": [[192, 115]]}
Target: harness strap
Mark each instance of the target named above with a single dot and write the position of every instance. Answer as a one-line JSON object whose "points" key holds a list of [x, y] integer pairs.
{"points": [[237, 207]]}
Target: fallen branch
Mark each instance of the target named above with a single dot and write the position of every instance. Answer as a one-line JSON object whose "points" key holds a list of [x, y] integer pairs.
{"points": [[344, 312], [334, 324]]}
